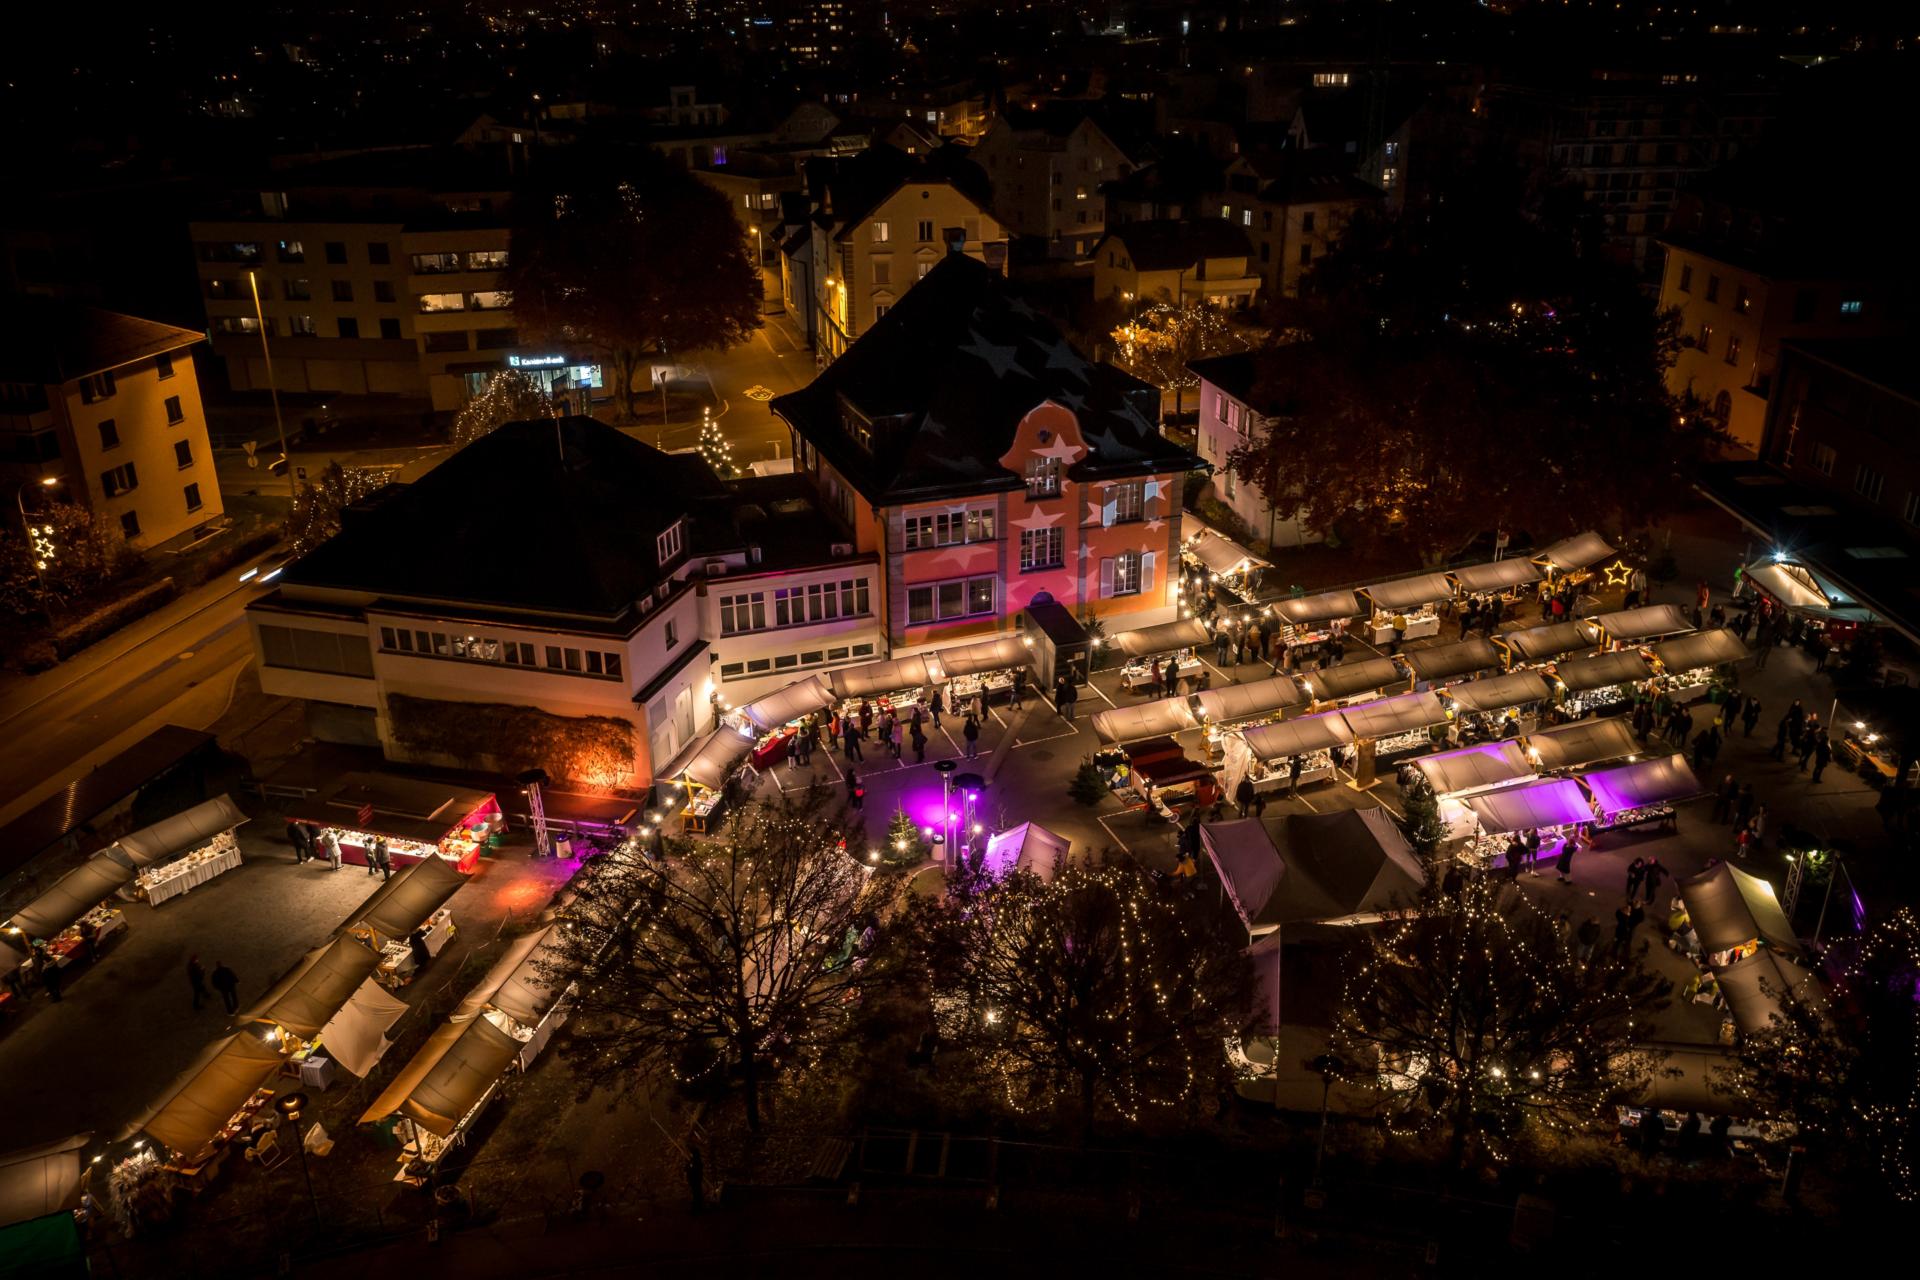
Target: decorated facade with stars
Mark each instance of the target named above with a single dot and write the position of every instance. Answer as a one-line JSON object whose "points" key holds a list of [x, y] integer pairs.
{"points": [[990, 465]]}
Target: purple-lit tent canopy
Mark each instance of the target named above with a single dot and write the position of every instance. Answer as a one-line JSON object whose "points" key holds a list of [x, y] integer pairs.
{"points": [[1027, 847], [1662, 780], [1491, 764], [1555, 802]]}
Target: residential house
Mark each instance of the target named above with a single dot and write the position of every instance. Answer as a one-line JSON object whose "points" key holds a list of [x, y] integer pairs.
{"points": [[1046, 167], [1179, 185], [1202, 260], [1293, 206], [989, 466], [525, 572], [103, 409], [1239, 395]]}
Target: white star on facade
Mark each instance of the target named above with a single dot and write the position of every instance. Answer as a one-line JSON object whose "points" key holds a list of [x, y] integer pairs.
{"points": [[1067, 453], [999, 359], [1038, 520]]}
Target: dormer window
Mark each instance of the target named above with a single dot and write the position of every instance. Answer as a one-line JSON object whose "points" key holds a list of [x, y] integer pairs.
{"points": [[671, 543]]}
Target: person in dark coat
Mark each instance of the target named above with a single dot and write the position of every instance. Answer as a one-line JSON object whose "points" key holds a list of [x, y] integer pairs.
{"points": [[971, 732], [1636, 872], [1723, 799], [936, 703], [1822, 753], [382, 858], [1655, 874], [227, 983], [1294, 769], [417, 946], [1749, 717], [918, 737], [197, 979], [301, 840], [1061, 702], [850, 741], [1243, 795]]}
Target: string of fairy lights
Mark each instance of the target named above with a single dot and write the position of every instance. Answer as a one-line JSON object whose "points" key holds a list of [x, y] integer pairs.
{"points": [[1894, 944]]}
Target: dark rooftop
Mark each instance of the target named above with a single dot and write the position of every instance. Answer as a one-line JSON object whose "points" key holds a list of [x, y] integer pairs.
{"points": [[1887, 363], [1267, 382], [948, 375], [1167, 245], [47, 342]]}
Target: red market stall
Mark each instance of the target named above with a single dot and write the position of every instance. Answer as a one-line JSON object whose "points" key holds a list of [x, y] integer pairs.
{"points": [[419, 819]]}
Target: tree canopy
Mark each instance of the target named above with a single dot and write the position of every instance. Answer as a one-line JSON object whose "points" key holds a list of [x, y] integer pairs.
{"points": [[511, 395], [1472, 364], [636, 258]]}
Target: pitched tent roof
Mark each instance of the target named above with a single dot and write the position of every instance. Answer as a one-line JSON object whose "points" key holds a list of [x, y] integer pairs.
{"points": [[1661, 780], [450, 1074], [1701, 649], [1537, 644], [1221, 554], [1349, 678], [39, 1180], [1404, 593], [407, 901], [356, 1036], [1402, 714], [316, 988], [889, 676], [1490, 764], [1552, 802], [72, 896], [802, 697], [1298, 737], [1578, 552], [1758, 985], [946, 377], [1497, 575], [1167, 244], [1249, 867], [1187, 633], [1645, 623], [202, 1099], [183, 832], [707, 760], [1730, 908], [1027, 847], [1496, 693], [1623, 666], [1445, 661], [1255, 698], [536, 515], [996, 654], [1568, 746], [1143, 720], [48, 342], [1356, 859], [1328, 606]]}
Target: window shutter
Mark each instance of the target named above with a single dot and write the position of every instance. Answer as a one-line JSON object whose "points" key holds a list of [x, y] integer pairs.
{"points": [[1150, 494], [1108, 507], [1106, 578], [1146, 573]]}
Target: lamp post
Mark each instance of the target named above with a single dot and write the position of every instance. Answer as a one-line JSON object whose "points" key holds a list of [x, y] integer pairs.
{"points": [[945, 768], [273, 388], [290, 1105], [39, 537]]}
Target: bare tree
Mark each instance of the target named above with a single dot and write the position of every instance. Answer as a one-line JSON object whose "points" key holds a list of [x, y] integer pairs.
{"points": [[725, 959], [511, 395]]}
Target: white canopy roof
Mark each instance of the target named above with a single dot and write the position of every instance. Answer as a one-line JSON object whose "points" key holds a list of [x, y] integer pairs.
{"points": [[1027, 847], [1537, 644], [1349, 678], [1577, 552], [183, 832], [1661, 780], [1143, 720], [1187, 633], [72, 896], [518, 983], [1730, 908], [1645, 623], [317, 987], [1221, 554], [1491, 764], [409, 900], [889, 676], [1496, 693], [1405, 593], [1701, 649], [802, 697], [1244, 701], [1796, 590], [986, 655], [200, 1101], [1325, 607], [1583, 742], [1389, 716], [1552, 802], [1445, 661], [37, 1181], [1756, 987], [356, 1037], [707, 760], [1298, 737], [1622, 666], [1497, 575]]}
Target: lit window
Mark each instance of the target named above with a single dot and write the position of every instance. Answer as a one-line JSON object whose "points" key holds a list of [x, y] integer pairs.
{"points": [[1042, 549], [1126, 574], [431, 302], [1043, 477], [882, 232], [1852, 307]]}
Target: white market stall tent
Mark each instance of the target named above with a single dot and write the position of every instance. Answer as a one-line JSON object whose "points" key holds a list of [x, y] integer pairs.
{"points": [[1757, 986], [888, 676], [1602, 670], [1497, 693], [39, 1180], [1328, 868], [317, 987], [984, 655], [1649, 622], [1497, 575], [190, 1113], [1449, 661], [1582, 551], [1221, 554], [1298, 737], [1583, 742], [802, 697], [407, 901], [708, 760], [1027, 847], [1409, 593], [356, 1037], [1731, 908], [1542, 644], [185, 831], [1478, 768], [1350, 678], [1328, 606], [1187, 633], [73, 895], [1391, 716], [1144, 720], [1246, 701], [1701, 649]]}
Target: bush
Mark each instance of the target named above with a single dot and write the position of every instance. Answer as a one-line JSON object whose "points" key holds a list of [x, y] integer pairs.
{"points": [[1089, 785], [104, 621]]}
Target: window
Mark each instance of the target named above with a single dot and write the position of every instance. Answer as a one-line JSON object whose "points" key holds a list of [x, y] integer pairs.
{"points": [[1389, 179], [572, 659], [109, 434], [431, 302], [1705, 338], [1686, 277], [948, 528], [192, 495], [1823, 459], [1126, 574], [292, 251], [1852, 309], [182, 454], [742, 613], [298, 289], [336, 253], [302, 327], [1805, 303], [1733, 348], [325, 651], [880, 310], [1246, 217], [348, 327], [1043, 477], [383, 291], [163, 366], [670, 543], [925, 267], [435, 264], [882, 232], [130, 524], [223, 288], [1042, 549], [519, 653], [121, 479], [378, 253], [389, 328], [343, 291], [672, 633], [553, 656], [487, 260], [496, 339], [926, 233], [99, 386], [491, 300], [941, 600], [1306, 255], [1742, 301], [1868, 482], [238, 324], [882, 271], [230, 252], [1306, 222], [1123, 502], [175, 415], [1713, 288]]}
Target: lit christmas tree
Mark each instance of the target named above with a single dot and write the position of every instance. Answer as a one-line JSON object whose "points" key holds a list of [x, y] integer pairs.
{"points": [[906, 845], [715, 449]]}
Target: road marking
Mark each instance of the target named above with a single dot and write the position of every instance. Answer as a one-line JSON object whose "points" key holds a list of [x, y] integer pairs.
{"points": [[1124, 847], [1052, 737]]}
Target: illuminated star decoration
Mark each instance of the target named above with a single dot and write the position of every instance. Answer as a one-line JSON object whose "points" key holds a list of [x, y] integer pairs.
{"points": [[1618, 575]]}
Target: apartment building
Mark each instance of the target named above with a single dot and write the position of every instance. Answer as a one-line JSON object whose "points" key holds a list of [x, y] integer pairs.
{"points": [[529, 573], [1844, 417], [376, 275], [1202, 260], [104, 409], [1239, 394], [1293, 207], [1046, 167], [987, 466]]}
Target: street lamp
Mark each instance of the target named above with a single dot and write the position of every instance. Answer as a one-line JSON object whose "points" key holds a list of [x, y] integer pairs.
{"points": [[39, 537], [290, 1105], [273, 388]]}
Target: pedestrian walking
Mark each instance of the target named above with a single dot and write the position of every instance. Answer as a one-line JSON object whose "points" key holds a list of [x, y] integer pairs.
{"points": [[856, 791], [1220, 643], [1796, 722], [373, 860], [1730, 709], [1655, 874], [1625, 920], [1780, 735], [383, 858], [936, 704], [1294, 768], [850, 741], [227, 983], [1636, 872], [297, 837], [1073, 698], [1533, 852], [1749, 716], [1822, 753], [918, 737], [1723, 799], [1585, 938], [50, 973], [696, 1171], [1243, 794], [1808, 740], [971, 732], [1563, 865], [1019, 690], [197, 979]]}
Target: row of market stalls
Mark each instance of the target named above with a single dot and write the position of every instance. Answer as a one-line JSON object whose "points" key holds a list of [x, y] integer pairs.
{"points": [[80, 912]]}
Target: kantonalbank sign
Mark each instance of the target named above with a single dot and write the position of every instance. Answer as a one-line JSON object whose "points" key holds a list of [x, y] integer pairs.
{"points": [[536, 362]]}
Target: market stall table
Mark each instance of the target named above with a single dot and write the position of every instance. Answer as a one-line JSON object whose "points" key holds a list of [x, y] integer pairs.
{"points": [[399, 964], [1691, 663], [1644, 791], [183, 875], [1602, 680], [418, 819]]}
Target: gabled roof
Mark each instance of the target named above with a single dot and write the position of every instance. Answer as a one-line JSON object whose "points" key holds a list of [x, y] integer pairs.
{"points": [[1268, 382], [46, 342], [1167, 245], [946, 377], [850, 188], [549, 515]]}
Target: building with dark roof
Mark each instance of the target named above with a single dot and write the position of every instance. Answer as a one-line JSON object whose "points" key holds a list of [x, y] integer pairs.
{"points": [[564, 565], [103, 409], [1198, 260], [1238, 394], [1293, 205], [966, 444], [1046, 165]]}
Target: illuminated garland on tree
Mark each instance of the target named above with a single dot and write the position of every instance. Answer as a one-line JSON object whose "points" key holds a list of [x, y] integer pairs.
{"points": [[715, 449], [512, 395], [1889, 964]]}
